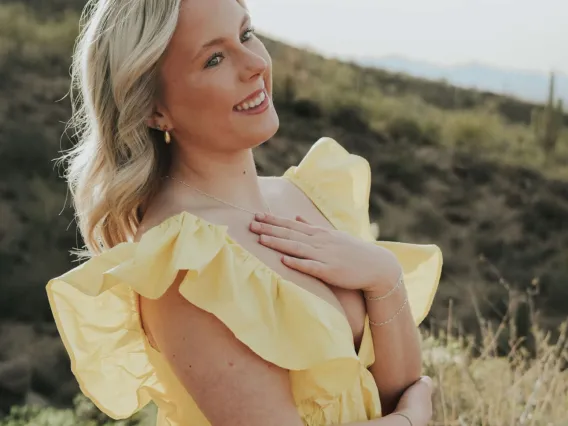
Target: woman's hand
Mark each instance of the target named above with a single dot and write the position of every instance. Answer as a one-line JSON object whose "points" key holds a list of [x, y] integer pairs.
{"points": [[416, 402], [334, 257]]}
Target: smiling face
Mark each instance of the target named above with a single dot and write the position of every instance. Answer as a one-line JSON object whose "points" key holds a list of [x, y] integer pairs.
{"points": [[213, 63]]}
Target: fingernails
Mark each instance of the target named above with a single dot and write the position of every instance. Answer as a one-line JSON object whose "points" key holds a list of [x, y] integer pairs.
{"points": [[427, 380], [260, 216]]}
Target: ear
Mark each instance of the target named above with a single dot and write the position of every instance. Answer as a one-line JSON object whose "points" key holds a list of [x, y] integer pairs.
{"points": [[150, 122], [159, 117], [157, 120]]}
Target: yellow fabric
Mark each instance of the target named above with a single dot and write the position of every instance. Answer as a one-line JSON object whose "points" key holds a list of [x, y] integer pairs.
{"points": [[95, 307]]}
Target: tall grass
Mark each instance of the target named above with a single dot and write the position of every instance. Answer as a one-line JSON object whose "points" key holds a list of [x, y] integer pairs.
{"points": [[475, 385], [499, 377]]}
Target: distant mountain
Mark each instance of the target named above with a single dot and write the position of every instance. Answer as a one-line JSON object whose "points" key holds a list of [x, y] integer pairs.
{"points": [[529, 85]]}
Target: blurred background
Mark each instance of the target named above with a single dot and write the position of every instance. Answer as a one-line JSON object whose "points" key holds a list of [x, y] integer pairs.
{"points": [[457, 105]]}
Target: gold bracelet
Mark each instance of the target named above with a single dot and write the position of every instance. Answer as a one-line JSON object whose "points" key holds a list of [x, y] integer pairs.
{"points": [[379, 324], [405, 416], [391, 291]]}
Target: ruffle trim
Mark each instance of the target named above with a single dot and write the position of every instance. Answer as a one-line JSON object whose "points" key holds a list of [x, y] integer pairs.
{"points": [[339, 184], [94, 306]]}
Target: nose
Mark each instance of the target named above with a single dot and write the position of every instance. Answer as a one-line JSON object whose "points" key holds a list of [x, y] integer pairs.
{"points": [[253, 65]]}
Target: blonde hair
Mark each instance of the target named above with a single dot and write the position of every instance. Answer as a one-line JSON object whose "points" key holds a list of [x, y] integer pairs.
{"points": [[116, 164]]}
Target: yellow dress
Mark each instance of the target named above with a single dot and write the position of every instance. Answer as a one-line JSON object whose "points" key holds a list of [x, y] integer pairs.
{"points": [[96, 311]]}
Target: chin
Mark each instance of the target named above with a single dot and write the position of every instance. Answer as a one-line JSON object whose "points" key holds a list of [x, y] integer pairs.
{"points": [[258, 134]]}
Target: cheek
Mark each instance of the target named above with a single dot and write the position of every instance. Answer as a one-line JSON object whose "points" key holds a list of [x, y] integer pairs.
{"points": [[205, 95]]}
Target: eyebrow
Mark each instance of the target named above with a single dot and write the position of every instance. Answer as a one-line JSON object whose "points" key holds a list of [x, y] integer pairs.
{"points": [[219, 40]]}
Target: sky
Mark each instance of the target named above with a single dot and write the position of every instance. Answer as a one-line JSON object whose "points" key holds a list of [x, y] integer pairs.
{"points": [[514, 34]]}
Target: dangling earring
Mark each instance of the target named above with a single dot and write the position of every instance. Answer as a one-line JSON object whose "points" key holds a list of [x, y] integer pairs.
{"points": [[167, 136]]}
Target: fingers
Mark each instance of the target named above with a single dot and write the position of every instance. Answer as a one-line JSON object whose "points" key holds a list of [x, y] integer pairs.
{"points": [[311, 267], [299, 226], [426, 383], [261, 228], [427, 380], [301, 219], [290, 247]]}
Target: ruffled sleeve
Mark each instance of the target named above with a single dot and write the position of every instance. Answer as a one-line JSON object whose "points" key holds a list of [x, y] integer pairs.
{"points": [[95, 310], [339, 184], [96, 313]]}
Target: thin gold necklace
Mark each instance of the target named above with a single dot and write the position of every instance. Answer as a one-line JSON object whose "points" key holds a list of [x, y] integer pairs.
{"points": [[220, 200]]}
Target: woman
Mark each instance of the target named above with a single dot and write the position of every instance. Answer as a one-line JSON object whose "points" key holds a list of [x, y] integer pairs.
{"points": [[226, 298]]}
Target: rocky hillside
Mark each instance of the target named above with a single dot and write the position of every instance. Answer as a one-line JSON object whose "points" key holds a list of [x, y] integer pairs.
{"points": [[458, 168]]}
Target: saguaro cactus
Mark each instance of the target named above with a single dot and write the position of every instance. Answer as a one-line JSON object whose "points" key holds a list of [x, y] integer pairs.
{"points": [[547, 121]]}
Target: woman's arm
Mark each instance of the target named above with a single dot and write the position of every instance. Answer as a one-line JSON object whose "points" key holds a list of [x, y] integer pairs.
{"points": [[413, 409], [396, 340], [230, 384], [344, 261]]}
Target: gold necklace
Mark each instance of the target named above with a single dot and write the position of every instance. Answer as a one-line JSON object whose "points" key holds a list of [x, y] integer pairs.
{"points": [[220, 200]]}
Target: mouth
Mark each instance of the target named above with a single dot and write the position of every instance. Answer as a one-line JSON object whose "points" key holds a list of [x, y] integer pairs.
{"points": [[255, 102], [252, 100]]}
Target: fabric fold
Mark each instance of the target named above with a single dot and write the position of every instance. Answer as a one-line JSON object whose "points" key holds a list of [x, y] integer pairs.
{"points": [[339, 185], [96, 312]]}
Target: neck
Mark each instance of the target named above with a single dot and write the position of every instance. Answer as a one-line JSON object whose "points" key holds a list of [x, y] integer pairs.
{"points": [[229, 176]]}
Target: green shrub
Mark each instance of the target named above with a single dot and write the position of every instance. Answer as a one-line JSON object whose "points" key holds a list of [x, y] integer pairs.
{"points": [[404, 128], [84, 413]]}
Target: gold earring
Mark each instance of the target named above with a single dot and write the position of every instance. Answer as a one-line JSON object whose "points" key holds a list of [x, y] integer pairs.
{"points": [[167, 136]]}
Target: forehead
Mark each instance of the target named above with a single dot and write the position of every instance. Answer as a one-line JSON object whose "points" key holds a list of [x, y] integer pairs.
{"points": [[202, 20]]}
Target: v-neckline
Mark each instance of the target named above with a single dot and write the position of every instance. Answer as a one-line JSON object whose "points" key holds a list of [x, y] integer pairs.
{"points": [[342, 317], [337, 226]]}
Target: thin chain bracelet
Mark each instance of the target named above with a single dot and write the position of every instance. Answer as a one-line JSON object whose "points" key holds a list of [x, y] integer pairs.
{"points": [[405, 416], [391, 291], [379, 324]]}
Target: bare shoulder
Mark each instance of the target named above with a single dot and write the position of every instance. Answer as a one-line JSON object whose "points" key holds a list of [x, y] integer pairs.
{"points": [[148, 222], [229, 382], [162, 207], [150, 308]]}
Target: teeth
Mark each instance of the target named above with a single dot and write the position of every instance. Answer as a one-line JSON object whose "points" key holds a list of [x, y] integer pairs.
{"points": [[252, 103]]}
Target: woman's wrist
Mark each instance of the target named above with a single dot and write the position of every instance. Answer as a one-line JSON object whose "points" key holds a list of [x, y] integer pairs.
{"points": [[387, 271], [387, 281], [387, 301], [407, 416], [378, 295]]}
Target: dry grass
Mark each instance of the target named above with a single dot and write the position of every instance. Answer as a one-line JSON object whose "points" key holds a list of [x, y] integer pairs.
{"points": [[477, 387], [474, 385]]}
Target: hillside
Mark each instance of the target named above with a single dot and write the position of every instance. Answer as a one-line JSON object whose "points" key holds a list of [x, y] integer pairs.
{"points": [[530, 85], [454, 167], [499, 215]]}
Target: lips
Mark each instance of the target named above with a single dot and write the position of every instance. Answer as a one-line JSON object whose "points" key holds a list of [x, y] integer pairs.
{"points": [[250, 97]]}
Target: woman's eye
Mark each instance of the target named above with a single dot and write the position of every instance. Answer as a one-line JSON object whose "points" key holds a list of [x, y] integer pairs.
{"points": [[217, 56], [214, 60], [250, 32]]}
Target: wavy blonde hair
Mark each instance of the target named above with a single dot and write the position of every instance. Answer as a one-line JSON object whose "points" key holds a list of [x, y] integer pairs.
{"points": [[115, 167]]}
